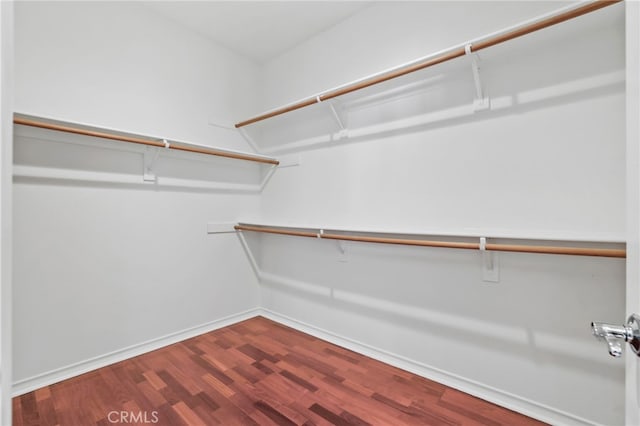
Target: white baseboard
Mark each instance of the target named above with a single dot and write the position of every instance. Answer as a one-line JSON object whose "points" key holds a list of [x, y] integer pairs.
{"points": [[488, 393], [50, 377]]}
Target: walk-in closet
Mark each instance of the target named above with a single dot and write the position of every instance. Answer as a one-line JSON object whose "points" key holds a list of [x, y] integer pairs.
{"points": [[320, 213]]}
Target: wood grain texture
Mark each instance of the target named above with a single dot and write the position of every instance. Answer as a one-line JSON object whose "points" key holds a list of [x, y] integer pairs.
{"points": [[256, 372]]}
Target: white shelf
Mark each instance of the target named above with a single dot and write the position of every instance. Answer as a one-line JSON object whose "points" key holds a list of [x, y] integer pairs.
{"points": [[82, 155], [76, 127], [542, 235], [294, 127]]}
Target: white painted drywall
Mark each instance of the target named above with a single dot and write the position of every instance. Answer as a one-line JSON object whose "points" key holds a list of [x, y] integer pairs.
{"points": [[103, 267], [125, 66], [6, 229], [549, 158]]}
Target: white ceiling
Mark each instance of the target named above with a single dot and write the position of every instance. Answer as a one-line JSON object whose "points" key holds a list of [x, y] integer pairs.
{"points": [[260, 30]]}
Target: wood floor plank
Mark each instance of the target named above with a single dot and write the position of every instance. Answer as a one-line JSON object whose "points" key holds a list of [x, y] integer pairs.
{"points": [[218, 385], [277, 417], [207, 416], [16, 406], [299, 380], [300, 370], [168, 416], [307, 400], [42, 394], [329, 415], [188, 415], [255, 373], [382, 415], [153, 379], [248, 373], [151, 394]]}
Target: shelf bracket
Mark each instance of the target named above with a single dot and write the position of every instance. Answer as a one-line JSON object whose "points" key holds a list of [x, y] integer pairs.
{"points": [[267, 176], [151, 155], [336, 116], [481, 101], [343, 132], [248, 139], [490, 264], [249, 253]]}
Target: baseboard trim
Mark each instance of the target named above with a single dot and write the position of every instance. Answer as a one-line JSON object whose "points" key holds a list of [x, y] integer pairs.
{"points": [[505, 399], [50, 377]]}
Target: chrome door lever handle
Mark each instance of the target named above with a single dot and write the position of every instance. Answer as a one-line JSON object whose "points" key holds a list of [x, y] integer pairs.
{"points": [[614, 335]]}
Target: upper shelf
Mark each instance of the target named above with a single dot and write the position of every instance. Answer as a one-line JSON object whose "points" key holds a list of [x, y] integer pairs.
{"points": [[50, 149], [30, 121], [457, 51]]}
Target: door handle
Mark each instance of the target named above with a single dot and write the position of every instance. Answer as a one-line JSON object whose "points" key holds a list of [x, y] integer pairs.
{"points": [[614, 335]]}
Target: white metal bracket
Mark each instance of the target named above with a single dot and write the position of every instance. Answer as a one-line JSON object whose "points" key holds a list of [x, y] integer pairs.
{"points": [[481, 100], [249, 253], [150, 159], [490, 263], [248, 139], [333, 107], [336, 115], [267, 176]]}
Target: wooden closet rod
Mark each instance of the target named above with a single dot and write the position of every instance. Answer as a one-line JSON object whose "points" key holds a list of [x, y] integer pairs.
{"points": [[575, 251], [141, 141], [453, 53]]}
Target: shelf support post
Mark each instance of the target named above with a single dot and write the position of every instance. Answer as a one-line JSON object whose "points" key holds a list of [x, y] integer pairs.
{"points": [[248, 139], [343, 132], [481, 101], [336, 116], [150, 159], [490, 266]]}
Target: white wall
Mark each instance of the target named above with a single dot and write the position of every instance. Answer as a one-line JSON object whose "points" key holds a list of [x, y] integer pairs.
{"points": [[124, 66], [103, 267], [6, 231], [547, 160]]}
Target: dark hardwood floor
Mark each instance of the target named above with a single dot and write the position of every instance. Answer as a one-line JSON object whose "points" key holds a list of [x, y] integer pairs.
{"points": [[257, 372]]}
